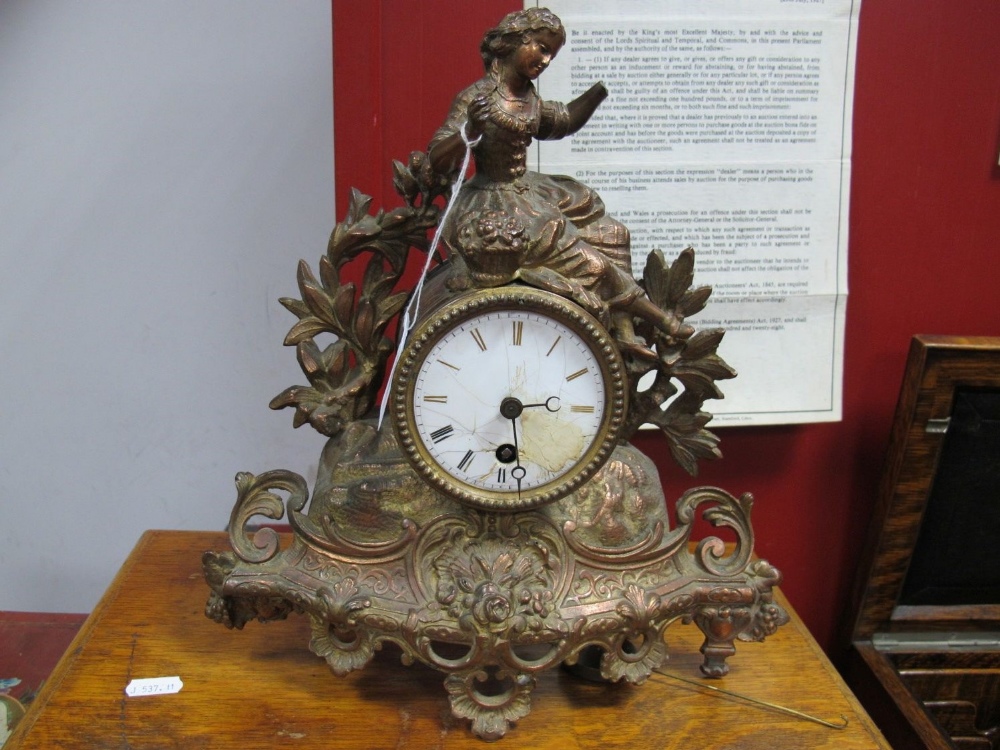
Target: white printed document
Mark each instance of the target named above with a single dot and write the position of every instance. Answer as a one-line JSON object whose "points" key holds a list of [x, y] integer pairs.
{"points": [[728, 129]]}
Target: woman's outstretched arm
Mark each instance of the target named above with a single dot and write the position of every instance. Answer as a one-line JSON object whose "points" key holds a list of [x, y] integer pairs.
{"points": [[581, 108], [560, 120]]}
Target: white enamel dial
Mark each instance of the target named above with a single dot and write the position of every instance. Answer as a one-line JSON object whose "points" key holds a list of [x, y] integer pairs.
{"points": [[510, 405]]}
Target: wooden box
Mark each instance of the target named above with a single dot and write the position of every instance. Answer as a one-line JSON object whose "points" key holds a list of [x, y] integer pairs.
{"points": [[925, 647]]}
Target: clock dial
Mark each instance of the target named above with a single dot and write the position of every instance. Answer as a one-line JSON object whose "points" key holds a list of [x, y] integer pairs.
{"points": [[510, 402]]}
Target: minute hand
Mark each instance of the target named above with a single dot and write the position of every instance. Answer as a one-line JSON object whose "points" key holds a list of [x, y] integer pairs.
{"points": [[518, 471]]}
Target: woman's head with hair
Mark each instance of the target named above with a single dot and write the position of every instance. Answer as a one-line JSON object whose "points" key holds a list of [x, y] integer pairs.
{"points": [[500, 41]]}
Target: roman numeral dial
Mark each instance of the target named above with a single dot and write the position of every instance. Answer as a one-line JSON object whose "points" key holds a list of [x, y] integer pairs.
{"points": [[511, 400]]}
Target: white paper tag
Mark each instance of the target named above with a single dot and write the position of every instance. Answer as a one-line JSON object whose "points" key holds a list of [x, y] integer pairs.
{"points": [[154, 686]]}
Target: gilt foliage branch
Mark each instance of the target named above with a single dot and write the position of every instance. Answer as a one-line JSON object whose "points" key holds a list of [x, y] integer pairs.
{"points": [[686, 358], [344, 377]]}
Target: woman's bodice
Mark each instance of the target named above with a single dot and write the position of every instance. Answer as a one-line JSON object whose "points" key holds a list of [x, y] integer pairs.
{"points": [[501, 156], [503, 153]]}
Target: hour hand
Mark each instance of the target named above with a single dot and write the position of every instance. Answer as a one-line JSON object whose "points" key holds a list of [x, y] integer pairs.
{"points": [[550, 404]]}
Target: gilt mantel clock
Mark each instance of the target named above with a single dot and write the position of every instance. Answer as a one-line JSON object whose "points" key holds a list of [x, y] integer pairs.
{"points": [[497, 522]]}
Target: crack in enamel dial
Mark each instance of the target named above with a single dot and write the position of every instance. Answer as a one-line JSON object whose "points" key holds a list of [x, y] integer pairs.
{"points": [[509, 398]]}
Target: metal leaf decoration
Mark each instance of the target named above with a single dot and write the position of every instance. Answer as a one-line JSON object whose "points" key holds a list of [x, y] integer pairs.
{"points": [[687, 365], [344, 378]]}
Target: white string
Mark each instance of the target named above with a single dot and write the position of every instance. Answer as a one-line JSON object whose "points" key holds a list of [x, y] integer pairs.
{"points": [[406, 323]]}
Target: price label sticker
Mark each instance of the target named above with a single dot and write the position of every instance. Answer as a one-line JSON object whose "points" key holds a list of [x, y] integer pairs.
{"points": [[153, 686]]}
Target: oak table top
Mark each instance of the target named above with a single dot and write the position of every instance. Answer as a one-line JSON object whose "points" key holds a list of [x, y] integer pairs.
{"points": [[262, 687]]}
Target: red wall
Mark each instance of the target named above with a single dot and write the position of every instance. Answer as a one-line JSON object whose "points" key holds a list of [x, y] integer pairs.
{"points": [[924, 233]]}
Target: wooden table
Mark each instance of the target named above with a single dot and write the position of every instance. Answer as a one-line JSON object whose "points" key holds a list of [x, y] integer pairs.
{"points": [[262, 687]]}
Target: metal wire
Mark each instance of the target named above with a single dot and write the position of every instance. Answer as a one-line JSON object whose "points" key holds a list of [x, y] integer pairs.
{"points": [[757, 701]]}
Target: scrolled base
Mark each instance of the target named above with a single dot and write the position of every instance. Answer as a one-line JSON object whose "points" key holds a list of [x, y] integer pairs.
{"points": [[489, 599]]}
